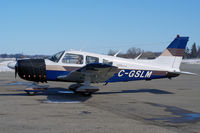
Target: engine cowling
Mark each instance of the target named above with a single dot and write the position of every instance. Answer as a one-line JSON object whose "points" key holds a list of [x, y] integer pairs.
{"points": [[32, 70]]}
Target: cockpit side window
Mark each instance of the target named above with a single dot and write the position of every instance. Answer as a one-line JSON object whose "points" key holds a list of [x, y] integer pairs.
{"points": [[91, 59], [56, 57], [107, 62], [72, 59]]}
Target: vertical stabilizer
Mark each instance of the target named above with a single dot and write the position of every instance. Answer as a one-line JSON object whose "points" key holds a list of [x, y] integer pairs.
{"points": [[171, 57]]}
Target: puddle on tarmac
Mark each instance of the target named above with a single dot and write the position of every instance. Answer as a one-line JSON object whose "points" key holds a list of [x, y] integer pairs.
{"points": [[65, 92], [64, 96], [181, 115]]}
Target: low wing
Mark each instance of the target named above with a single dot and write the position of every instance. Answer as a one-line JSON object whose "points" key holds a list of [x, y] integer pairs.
{"points": [[95, 73]]}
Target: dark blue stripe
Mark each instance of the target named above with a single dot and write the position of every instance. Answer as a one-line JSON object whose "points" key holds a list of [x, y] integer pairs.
{"points": [[126, 77], [179, 43], [52, 76]]}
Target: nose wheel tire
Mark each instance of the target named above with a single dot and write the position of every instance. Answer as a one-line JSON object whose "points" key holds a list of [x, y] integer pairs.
{"points": [[86, 94], [31, 93]]}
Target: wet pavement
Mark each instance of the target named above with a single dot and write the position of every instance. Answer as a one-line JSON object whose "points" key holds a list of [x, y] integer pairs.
{"points": [[158, 106], [62, 95], [179, 115]]}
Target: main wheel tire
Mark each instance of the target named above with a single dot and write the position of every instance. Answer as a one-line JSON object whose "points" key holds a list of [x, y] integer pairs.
{"points": [[73, 87]]}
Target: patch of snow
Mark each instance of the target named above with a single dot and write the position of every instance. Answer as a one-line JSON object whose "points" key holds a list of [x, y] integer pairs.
{"points": [[191, 61], [7, 59], [4, 67]]}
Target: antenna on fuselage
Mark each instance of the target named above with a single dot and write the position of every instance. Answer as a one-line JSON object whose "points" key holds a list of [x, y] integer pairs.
{"points": [[117, 53], [138, 56]]}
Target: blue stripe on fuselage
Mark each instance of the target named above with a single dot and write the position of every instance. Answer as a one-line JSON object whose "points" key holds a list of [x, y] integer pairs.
{"points": [[121, 76], [131, 75], [52, 74]]}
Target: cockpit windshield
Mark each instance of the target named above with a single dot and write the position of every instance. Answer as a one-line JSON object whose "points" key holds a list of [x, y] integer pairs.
{"points": [[56, 57]]}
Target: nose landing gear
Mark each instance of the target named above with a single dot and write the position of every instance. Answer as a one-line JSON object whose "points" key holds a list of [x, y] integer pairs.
{"points": [[34, 89]]}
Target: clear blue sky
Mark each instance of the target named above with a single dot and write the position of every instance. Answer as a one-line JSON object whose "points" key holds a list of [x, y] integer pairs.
{"points": [[49, 26]]}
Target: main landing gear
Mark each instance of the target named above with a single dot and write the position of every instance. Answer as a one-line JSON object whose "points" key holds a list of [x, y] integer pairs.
{"points": [[85, 90], [82, 89]]}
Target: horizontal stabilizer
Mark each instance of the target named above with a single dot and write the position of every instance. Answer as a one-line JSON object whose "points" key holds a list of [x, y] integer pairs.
{"points": [[186, 73]]}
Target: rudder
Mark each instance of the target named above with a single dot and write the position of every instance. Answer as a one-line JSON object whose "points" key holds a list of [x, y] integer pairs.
{"points": [[171, 57], [176, 47]]}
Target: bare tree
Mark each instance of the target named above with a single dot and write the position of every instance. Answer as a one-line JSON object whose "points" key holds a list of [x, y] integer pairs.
{"points": [[186, 53], [133, 52], [112, 52], [148, 55]]}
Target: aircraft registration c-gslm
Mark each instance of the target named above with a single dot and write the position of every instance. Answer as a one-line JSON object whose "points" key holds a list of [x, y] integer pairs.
{"points": [[85, 68]]}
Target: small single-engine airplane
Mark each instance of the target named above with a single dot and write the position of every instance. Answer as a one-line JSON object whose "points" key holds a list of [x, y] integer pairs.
{"points": [[85, 68]]}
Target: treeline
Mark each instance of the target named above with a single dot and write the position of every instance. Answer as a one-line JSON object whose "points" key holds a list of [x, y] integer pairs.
{"points": [[22, 56], [193, 52], [135, 52], [190, 53]]}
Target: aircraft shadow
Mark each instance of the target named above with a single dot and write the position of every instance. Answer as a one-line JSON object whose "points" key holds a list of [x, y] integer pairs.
{"points": [[55, 95], [9, 94], [60, 95], [153, 91]]}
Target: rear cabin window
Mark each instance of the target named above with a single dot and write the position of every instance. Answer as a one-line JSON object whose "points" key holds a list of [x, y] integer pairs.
{"points": [[72, 59], [107, 62], [90, 59]]}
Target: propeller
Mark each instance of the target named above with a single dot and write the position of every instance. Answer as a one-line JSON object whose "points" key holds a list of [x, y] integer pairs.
{"points": [[16, 70], [13, 65]]}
